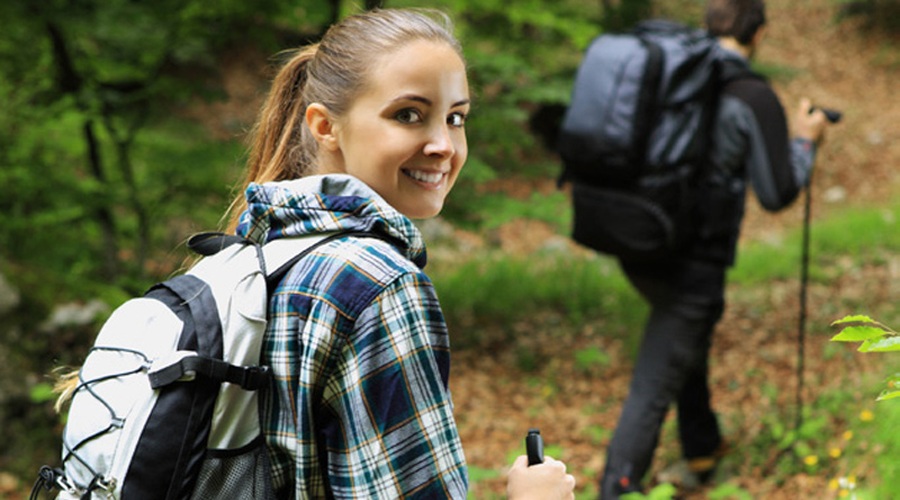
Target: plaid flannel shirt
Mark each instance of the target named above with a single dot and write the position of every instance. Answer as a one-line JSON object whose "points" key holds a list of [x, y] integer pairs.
{"points": [[360, 406]]}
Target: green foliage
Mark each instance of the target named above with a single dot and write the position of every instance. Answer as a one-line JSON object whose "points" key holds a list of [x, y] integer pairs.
{"points": [[730, 491], [590, 358], [885, 434], [663, 491], [81, 82], [873, 337], [42, 393]]}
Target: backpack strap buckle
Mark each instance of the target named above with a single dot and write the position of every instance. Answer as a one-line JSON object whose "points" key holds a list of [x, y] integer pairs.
{"points": [[253, 378], [189, 364]]}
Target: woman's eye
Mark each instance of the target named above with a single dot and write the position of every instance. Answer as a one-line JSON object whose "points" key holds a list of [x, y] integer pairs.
{"points": [[408, 116], [456, 119]]}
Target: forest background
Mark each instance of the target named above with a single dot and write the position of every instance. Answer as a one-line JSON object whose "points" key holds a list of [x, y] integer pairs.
{"points": [[122, 133]]}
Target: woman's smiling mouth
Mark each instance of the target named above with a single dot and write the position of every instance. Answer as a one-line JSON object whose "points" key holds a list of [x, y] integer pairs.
{"points": [[426, 177]]}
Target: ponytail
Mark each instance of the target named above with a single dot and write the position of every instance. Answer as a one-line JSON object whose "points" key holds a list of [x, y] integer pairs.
{"points": [[280, 148]]}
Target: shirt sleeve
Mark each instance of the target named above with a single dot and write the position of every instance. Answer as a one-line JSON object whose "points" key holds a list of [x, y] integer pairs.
{"points": [[392, 433], [777, 167]]}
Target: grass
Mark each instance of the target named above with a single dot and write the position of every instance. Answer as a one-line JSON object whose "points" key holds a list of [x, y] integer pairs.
{"points": [[494, 289], [861, 233]]}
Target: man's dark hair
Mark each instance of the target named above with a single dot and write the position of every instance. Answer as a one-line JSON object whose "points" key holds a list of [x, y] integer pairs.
{"points": [[740, 19]]}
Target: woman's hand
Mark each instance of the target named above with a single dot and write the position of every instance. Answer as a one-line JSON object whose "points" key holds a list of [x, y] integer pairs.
{"points": [[545, 481]]}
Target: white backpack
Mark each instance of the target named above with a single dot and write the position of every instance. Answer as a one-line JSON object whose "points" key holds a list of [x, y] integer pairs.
{"points": [[166, 405]]}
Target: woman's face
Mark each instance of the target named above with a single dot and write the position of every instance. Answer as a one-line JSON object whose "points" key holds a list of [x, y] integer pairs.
{"points": [[404, 135]]}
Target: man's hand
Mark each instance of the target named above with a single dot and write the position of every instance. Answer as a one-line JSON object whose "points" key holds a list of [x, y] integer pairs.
{"points": [[809, 123]]}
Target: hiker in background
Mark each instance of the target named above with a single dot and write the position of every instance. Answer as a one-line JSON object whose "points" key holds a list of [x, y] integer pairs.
{"points": [[364, 130], [750, 141]]}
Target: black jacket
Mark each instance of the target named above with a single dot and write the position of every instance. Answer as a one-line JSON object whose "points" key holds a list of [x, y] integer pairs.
{"points": [[750, 141]]}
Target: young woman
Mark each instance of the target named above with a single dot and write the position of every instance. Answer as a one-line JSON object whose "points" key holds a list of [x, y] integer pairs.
{"points": [[362, 132]]}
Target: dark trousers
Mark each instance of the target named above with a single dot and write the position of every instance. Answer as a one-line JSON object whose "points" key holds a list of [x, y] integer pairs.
{"points": [[686, 299]]}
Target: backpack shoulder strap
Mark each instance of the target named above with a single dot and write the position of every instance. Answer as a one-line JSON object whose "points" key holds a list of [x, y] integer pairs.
{"points": [[277, 257], [282, 254]]}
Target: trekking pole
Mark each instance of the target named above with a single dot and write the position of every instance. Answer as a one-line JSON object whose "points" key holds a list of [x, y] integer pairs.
{"points": [[804, 278], [833, 117]]}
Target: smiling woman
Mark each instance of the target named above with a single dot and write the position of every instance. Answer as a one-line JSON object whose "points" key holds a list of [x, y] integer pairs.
{"points": [[404, 134], [360, 133]]}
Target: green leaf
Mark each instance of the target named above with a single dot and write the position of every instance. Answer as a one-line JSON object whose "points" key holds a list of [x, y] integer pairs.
{"points": [[858, 333], [886, 344], [858, 321], [888, 394], [858, 318]]}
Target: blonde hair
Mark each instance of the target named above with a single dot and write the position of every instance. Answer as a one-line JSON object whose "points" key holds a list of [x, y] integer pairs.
{"points": [[331, 72]]}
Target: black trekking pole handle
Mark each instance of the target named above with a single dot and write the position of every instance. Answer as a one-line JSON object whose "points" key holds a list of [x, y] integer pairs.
{"points": [[534, 447], [832, 115]]}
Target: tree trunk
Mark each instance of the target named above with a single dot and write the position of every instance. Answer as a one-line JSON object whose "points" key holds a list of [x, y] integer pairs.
{"points": [[123, 154], [101, 211], [70, 82]]}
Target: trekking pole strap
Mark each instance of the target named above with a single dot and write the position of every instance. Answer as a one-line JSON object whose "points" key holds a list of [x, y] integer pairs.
{"points": [[249, 378]]}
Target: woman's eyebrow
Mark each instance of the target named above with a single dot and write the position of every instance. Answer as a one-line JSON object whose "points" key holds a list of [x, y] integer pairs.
{"points": [[427, 101], [412, 97]]}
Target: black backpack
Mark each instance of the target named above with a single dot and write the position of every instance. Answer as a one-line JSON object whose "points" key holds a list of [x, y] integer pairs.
{"points": [[634, 139]]}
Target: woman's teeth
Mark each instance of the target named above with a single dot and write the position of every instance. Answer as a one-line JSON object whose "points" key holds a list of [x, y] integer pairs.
{"points": [[430, 178]]}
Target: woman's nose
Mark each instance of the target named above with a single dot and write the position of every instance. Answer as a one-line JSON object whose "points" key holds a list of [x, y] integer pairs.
{"points": [[439, 142]]}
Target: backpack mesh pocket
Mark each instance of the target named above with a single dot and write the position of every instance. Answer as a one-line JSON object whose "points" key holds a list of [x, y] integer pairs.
{"points": [[224, 474]]}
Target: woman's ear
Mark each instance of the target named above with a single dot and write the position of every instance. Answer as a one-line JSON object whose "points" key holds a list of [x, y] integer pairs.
{"points": [[321, 125]]}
